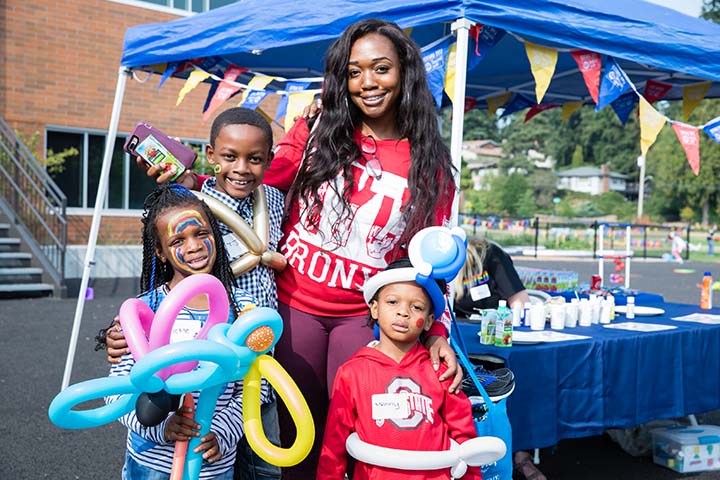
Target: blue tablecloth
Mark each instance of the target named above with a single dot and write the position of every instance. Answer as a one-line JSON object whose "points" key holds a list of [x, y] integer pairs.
{"points": [[641, 298], [617, 378]]}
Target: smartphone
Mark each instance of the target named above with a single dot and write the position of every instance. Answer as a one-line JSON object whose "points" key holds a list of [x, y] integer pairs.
{"points": [[153, 146]]}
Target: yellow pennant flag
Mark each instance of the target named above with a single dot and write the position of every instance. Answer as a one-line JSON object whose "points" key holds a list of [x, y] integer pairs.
{"points": [[196, 78], [258, 82], [296, 103], [497, 101], [692, 96], [542, 64], [651, 122], [568, 108], [450, 72]]}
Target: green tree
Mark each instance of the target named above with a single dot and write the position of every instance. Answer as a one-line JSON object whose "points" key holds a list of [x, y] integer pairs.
{"points": [[711, 10]]}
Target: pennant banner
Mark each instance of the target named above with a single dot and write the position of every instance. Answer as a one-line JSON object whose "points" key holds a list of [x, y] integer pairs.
{"points": [[589, 64], [283, 103], [196, 78], [449, 81], [569, 108], [614, 83], [434, 58], [655, 90], [171, 68], [224, 89], [497, 101], [535, 109], [712, 128], [542, 64], [482, 39], [257, 83], [689, 138], [470, 103], [651, 122], [296, 103], [624, 105], [692, 96], [519, 102]]}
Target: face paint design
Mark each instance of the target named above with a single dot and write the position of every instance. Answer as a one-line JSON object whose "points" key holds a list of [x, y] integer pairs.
{"points": [[177, 225], [420, 322]]}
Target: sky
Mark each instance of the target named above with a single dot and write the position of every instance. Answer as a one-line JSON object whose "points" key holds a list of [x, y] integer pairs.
{"points": [[688, 7]]}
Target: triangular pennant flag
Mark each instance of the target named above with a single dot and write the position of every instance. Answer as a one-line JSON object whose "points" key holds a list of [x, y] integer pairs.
{"points": [[482, 39], [569, 108], [282, 104], [211, 93], [655, 90], [614, 83], [258, 82], [253, 99], [623, 105], [519, 102], [542, 64], [470, 103], [172, 67], [689, 138], [497, 101], [651, 122], [449, 81], [535, 109], [296, 103], [712, 128], [590, 65], [692, 96], [196, 78], [224, 90], [434, 56]]}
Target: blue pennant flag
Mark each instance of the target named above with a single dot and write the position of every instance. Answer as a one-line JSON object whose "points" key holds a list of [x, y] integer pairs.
{"points": [[253, 99], [624, 105], [518, 102], [614, 83], [211, 93], [172, 67], [435, 59], [283, 103], [482, 39], [712, 128]]}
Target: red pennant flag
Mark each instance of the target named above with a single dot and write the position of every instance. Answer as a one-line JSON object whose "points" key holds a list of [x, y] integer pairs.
{"points": [[225, 90], [589, 64], [689, 138], [655, 90], [537, 108], [470, 103]]}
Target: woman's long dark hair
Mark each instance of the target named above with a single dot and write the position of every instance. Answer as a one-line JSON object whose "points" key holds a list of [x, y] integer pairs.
{"points": [[154, 272], [331, 147]]}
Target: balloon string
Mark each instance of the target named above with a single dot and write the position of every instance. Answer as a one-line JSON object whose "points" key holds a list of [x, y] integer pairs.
{"points": [[181, 446]]}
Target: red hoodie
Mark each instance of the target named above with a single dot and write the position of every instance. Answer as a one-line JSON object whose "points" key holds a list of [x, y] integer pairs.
{"points": [[435, 415]]}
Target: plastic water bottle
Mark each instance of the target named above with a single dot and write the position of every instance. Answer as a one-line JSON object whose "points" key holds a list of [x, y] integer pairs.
{"points": [[630, 308], [706, 291], [504, 325]]}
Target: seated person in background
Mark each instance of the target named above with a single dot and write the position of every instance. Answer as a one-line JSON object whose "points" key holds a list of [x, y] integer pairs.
{"points": [[487, 277]]}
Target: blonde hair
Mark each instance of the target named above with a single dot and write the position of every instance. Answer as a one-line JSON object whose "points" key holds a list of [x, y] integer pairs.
{"points": [[476, 252]]}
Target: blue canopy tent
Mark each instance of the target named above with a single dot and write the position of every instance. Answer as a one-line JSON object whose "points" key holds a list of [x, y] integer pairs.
{"points": [[288, 38]]}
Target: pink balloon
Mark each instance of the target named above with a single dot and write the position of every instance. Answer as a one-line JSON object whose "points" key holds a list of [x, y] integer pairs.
{"points": [[145, 331]]}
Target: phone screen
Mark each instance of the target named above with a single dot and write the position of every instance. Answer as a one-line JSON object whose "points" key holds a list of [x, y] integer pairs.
{"points": [[155, 152]]}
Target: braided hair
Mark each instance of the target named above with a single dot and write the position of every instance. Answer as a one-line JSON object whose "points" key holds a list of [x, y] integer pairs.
{"points": [[156, 273]]}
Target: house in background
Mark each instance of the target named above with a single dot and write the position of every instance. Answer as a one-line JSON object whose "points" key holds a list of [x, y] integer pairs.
{"points": [[593, 180], [482, 158]]}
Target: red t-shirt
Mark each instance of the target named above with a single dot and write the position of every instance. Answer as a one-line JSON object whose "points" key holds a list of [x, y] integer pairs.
{"points": [[432, 416], [325, 275]]}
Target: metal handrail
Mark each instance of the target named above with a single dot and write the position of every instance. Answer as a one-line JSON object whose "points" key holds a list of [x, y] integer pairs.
{"points": [[34, 202]]}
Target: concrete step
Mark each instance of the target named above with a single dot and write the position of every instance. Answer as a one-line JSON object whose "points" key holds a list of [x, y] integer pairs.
{"points": [[23, 290], [9, 244], [15, 259], [4, 229], [20, 275]]}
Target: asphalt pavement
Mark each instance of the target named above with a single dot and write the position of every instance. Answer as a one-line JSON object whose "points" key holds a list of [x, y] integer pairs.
{"points": [[34, 339]]}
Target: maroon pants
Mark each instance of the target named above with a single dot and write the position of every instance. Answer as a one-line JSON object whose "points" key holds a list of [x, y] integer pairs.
{"points": [[311, 349]]}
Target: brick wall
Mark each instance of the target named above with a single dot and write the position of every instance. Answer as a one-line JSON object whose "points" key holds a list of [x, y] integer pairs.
{"points": [[114, 230]]}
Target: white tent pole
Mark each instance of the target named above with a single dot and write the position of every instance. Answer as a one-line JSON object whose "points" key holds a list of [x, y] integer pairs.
{"points": [[97, 214], [461, 26]]}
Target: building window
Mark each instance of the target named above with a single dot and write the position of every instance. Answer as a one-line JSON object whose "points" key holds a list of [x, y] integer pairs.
{"points": [[127, 186], [187, 6]]}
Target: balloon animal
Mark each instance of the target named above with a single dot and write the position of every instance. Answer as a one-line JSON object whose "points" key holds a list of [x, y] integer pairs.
{"points": [[230, 352]]}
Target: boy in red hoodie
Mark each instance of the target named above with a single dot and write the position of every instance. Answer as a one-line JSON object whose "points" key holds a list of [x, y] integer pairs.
{"points": [[389, 393]]}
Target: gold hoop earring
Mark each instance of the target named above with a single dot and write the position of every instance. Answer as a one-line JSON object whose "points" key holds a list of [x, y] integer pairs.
{"points": [[217, 169]]}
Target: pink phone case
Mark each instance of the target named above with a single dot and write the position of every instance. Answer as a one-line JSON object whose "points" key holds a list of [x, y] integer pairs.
{"points": [[154, 147]]}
